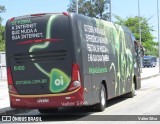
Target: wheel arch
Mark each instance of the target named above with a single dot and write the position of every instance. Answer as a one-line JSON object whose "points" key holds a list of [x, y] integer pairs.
{"points": [[105, 85]]}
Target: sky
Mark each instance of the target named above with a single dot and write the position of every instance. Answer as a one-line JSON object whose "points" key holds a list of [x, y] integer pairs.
{"points": [[122, 8]]}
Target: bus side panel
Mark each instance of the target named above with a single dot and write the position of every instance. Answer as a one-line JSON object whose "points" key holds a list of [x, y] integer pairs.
{"points": [[106, 55], [88, 91], [130, 57], [98, 55], [110, 85]]}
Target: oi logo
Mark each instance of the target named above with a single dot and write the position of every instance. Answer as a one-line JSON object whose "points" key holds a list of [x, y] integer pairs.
{"points": [[59, 81]]}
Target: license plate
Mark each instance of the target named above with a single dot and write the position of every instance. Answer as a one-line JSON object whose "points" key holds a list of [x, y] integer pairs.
{"points": [[42, 100]]}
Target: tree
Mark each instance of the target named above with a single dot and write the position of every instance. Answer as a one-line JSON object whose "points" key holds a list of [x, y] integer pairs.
{"points": [[2, 44], [91, 8], [146, 32], [2, 9], [2, 28]]}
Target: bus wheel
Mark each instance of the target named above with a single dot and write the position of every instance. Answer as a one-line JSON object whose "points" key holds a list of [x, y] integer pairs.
{"points": [[45, 111], [103, 101]]}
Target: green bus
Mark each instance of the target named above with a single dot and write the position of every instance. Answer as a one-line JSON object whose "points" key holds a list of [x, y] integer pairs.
{"points": [[65, 59]]}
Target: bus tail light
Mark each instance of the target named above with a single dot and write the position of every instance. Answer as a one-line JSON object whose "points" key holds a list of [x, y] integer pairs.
{"points": [[10, 82], [11, 19], [75, 82], [66, 13]]}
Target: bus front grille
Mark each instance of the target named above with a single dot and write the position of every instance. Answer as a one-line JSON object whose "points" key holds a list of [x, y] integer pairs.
{"points": [[40, 56]]}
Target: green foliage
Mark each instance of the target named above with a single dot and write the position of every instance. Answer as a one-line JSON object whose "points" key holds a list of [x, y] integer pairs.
{"points": [[151, 47], [91, 8], [2, 44], [2, 9]]}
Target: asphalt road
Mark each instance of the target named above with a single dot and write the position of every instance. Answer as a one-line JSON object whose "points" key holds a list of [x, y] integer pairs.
{"points": [[146, 102]]}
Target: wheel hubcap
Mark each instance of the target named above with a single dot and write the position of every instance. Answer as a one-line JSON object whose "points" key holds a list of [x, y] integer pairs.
{"points": [[103, 97]]}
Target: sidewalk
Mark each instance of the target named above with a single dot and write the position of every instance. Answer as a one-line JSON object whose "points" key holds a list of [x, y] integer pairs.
{"points": [[4, 100], [149, 72], [4, 97]]}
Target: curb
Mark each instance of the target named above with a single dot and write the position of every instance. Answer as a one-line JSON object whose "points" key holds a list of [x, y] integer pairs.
{"points": [[155, 75], [11, 111]]}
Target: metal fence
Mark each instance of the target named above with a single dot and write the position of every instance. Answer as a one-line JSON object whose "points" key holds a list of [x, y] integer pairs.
{"points": [[3, 74]]}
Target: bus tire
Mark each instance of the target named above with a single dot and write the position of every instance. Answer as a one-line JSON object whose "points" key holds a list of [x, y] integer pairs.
{"points": [[103, 101], [45, 111], [90, 108]]}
